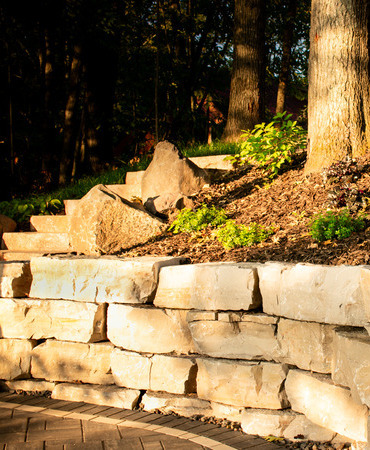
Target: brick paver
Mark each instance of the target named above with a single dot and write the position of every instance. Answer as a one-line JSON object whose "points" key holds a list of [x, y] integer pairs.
{"points": [[33, 423]]}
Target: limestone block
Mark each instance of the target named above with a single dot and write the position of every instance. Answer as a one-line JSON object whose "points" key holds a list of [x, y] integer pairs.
{"points": [[63, 320], [15, 279], [174, 375], [73, 362], [351, 363], [314, 293], [285, 424], [186, 406], [98, 395], [307, 345], [103, 222], [232, 413], [327, 405], [15, 358], [130, 369], [236, 336], [149, 330], [211, 286], [100, 280], [239, 383], [34, 386], [157, 373]]}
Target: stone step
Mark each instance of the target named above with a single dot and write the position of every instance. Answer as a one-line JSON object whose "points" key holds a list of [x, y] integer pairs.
{"points": [[35, 242], [50, 224], [70, 206], [14, 255], [132, 186], [212, 162], [205, 162], [127, 191]]}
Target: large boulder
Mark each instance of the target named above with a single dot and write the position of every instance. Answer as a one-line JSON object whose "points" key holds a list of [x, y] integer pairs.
{"points": [[103, 222], [170, 179], [7, 225]]}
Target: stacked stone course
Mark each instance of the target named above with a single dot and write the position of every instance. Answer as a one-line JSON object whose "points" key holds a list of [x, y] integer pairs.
{"points": [[282, 348]]}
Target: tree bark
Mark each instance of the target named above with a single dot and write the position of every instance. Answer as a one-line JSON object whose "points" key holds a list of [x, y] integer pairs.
{"points": [[338, 95], [285, 61], [247, 81]]}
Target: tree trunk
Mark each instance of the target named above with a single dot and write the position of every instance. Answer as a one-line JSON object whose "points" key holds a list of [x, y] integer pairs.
{"points": [[338, 95], [66, 161], [285, 61], [48, 125], [247, 81]]}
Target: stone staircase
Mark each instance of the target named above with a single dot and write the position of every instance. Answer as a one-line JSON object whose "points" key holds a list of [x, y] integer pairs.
{"points": [[50, 234]]}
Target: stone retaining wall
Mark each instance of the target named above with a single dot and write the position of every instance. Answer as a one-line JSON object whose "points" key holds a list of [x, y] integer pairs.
{"points": [[284, 349]]}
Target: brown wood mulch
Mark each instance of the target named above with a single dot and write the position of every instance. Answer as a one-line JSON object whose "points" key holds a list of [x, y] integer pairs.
{"points": [[288, 203]]}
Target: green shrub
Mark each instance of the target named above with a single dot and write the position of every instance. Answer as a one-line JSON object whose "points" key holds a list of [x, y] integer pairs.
{"points": [[271, 145], [189, 221], [335, 225], [232, 235]]}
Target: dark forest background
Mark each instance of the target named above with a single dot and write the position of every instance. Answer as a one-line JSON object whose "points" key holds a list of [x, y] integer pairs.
{"points": [[85, 84]]}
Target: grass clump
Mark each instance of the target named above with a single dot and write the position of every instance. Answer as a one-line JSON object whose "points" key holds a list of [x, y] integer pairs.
{"points": [[189, 221], [335, 225], [216, 148], [232, 235]]}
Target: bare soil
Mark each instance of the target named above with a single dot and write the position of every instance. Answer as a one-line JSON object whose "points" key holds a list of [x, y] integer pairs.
{"points": [[288, 203]]}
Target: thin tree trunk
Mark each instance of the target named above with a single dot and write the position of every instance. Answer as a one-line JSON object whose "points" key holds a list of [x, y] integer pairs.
{"points": [[11, 130], [156, 87], [285, 61], [65, 166], [47, 69], [338, 94]]}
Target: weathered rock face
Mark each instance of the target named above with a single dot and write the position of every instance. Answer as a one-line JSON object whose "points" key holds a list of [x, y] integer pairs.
{"points": [[106, 223], [149, 330], [171, 173], [97, 395], [174, 375], [35, 386], [327, 405], [314, 293], [63, 320], [232, 413], [15, 358], [157, 373], [222, 286], [73, 362], [101, 280], [351, 363], [235, 335], [186, 406], [168, 203], [242, 383], [286, 424], [15, 279], [306, 345], [7, 225]]}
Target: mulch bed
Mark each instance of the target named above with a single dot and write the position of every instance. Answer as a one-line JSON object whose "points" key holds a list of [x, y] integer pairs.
{"points": [[288, 203]]}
